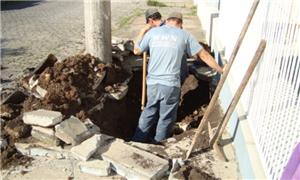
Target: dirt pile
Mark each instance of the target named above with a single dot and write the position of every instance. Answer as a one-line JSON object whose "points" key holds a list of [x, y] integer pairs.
{"points": [[72, 86]]}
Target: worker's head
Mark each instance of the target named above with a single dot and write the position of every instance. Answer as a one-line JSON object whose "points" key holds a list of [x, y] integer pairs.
{"points": [[175, 19], [153, 17]]}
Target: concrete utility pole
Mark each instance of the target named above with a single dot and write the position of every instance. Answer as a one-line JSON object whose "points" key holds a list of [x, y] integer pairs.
{"points": [[97, 21]]}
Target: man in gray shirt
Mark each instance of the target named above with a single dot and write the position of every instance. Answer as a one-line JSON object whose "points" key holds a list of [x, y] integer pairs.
{"points": [[167, 46]]}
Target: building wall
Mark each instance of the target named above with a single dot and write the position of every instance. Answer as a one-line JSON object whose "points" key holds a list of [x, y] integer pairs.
{"points": [[266, 124]]}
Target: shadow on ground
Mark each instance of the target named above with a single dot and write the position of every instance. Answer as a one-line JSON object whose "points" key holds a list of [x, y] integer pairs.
{"points": [[15, 5]]}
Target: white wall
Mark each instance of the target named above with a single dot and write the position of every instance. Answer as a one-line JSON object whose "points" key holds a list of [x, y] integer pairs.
{"points": [[271, 101]]}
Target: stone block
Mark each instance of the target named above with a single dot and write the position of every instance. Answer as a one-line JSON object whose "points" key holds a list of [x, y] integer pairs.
{"points": [[93, 129], [88, 147], [95, 167], [45, 135], [41, 117], [34, 150], [72, 131], [134, 163]]}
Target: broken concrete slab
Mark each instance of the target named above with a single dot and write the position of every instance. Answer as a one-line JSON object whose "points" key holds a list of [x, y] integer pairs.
{"points": [[41, 91], [45, 135], [120, 93], [34, 150], [134, 163], [93, 129], [88, 147], [23, 148], [72, 131], [41, 117], [95, 167]]}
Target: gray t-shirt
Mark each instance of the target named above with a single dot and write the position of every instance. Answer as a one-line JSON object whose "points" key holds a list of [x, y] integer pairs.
{"points": [[167, 46]]}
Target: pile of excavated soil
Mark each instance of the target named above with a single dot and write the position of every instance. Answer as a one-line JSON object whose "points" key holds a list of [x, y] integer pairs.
{"points": [[72, 85]]}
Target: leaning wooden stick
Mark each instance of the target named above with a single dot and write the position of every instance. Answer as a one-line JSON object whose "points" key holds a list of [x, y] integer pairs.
{"points": [[235, 100], [223, 78], [144, 80]]}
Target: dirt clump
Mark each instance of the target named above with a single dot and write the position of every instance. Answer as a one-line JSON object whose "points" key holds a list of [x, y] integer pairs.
{"points": [[190, 172]]}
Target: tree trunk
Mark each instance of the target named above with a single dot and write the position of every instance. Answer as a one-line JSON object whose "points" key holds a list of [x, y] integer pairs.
{"points": [[97, 21]]}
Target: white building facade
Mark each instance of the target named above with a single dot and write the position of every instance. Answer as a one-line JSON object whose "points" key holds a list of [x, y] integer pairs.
{"points": [[266, 124]]}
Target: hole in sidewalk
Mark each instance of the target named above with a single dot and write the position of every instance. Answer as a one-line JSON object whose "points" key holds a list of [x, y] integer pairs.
{"points": [[120, 118]]}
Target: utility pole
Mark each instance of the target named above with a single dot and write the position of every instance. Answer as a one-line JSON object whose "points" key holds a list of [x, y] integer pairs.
{"points": [[97, 22]]}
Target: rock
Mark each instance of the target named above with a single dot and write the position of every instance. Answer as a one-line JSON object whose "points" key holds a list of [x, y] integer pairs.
{"points": [[32, 83], [45, 135], [72, 131], [34, 150], [41, 117], [42, 92], [92, 128], [120, 93], [134, 163], [23, 148], [88, 147], [3, 143], [95, 167]]}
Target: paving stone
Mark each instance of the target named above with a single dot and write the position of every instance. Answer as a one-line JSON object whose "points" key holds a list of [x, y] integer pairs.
{"points": [[88, 147], [41, 117], [45, 135], [93, 129], [134, 163], [95, 167], [72, 131], [34, 150]]}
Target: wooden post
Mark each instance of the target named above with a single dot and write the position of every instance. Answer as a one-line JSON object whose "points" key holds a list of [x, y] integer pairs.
{"points": [[97, 21], [223, 78], [237, 95], [144, 80]]}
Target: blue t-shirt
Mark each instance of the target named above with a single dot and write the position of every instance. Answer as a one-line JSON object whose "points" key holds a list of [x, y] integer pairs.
{"points": [[167, 46]]}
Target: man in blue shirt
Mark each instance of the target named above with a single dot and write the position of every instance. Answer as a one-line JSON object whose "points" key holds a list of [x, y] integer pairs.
{"points": [[167, 46], [154, 19]]}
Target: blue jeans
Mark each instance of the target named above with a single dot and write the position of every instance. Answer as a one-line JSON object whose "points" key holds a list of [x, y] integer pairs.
{"points": [[161, 100]]}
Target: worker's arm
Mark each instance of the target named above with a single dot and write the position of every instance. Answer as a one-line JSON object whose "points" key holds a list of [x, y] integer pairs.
{"points": [[137, 50], [209, 60]]}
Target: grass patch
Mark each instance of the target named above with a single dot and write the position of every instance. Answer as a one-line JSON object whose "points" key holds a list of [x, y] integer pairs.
{"points": [[126, 20], [193, 11], [156, 3]]}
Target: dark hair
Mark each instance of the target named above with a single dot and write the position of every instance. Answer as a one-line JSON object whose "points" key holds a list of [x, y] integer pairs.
{"points": [[155, 16], [178, 21]]}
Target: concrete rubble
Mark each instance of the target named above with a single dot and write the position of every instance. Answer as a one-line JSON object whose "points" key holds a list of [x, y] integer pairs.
{"points": [[45, 135], [88, 147], [41, 117], [36, 150], [72, 131], [134, 163], [95, 167]]}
